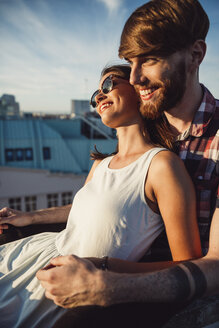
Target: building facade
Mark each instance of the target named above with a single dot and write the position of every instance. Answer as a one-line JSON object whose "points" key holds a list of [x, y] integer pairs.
{"points": [[43, 162]]}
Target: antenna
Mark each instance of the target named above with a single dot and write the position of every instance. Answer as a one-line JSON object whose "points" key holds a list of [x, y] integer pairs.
{"points": [[85, 88]]}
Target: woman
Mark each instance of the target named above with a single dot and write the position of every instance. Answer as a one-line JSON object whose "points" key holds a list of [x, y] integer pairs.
{"points": [[115, 214]]}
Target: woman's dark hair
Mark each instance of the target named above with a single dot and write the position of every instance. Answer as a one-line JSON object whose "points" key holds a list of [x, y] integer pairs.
{"points": [[122, 70], [158, 129]]}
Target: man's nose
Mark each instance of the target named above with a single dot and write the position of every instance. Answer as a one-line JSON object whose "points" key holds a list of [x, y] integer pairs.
{"points": [[136, 76]]}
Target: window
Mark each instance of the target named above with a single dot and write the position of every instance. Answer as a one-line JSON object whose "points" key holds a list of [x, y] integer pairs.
{"points": [[67, 198], [28, 154], [46, 153], [15, 203], [30, 203], [9, 155], [19, 154], [52, 200]]}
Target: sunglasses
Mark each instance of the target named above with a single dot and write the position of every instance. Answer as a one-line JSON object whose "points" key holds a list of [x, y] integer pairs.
{"points": [[106, 87]]}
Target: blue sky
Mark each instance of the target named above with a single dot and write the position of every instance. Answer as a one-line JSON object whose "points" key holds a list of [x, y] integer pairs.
{"points": [[52, 51]]}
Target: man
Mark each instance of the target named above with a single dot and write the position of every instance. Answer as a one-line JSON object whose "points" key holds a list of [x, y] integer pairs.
{"points": [[164, 41]]}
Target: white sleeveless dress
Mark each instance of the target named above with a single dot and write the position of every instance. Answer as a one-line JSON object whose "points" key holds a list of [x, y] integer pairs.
{"points": [[109, 216]]}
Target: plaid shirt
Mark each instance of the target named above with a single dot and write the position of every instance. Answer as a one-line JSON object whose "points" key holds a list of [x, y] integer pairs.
{"points": [[198, 147]]}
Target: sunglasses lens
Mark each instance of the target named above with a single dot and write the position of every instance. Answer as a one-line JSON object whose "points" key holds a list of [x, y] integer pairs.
{"points": [[107, 85], [93, 101]]}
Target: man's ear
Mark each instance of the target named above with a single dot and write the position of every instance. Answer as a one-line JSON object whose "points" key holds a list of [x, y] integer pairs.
{"points": [[198, 51]]}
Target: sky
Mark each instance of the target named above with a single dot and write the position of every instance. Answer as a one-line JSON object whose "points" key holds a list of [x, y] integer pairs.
{"points": [[53, 51]]}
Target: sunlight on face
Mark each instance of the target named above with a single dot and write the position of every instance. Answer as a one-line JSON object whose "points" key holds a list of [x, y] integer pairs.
{"points": [[171, 91]]}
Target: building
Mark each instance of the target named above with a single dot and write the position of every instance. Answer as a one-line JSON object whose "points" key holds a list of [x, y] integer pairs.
{"points": [[9, 107], [43, 162], [79, 107], [31, 189]]}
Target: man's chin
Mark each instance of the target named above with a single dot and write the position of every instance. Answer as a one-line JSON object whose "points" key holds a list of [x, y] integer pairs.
{"points": [[150, 112]]}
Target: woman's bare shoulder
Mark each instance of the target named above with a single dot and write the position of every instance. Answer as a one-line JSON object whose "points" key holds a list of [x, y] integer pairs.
{"points": [[93, 168], [166, 160], [96, 163]]}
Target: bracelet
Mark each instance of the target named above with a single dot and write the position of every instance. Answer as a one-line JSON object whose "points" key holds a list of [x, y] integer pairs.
{"points": [[104, 264]]}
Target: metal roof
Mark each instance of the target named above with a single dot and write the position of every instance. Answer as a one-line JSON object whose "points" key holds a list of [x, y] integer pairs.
{"points": [[69, 149]]}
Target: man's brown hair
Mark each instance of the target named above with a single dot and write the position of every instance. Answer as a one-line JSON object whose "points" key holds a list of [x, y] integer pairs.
{"points": [[162, 27]]}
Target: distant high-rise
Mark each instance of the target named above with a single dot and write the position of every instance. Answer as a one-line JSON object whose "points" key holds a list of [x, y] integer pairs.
{"points": [[79, 107], [8, 106]]}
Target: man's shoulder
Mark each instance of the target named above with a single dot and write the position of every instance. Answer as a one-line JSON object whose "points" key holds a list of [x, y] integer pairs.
{"points": [[210, 103], [216, 114], [210, 109]]}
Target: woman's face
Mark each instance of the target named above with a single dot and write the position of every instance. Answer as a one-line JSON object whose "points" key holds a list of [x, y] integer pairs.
{"points": [[120, 106]]}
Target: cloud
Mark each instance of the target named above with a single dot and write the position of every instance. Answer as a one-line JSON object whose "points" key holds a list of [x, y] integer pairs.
{"points": [[45, 64], [112, 5]]}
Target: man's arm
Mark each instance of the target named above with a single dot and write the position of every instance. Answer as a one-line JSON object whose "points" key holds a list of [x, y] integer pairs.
{"points": [[76, 282], [72, 281], [20, 219]]}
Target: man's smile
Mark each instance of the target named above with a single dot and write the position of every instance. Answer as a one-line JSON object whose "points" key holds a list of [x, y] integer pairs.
{"points": [[147, 94]]}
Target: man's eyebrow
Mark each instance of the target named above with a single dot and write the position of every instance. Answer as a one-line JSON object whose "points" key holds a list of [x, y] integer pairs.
{"points": [[148, 54], [144, 55]]}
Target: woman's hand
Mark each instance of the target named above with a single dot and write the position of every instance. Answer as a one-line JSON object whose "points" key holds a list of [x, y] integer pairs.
{"points": [[14, 217]]}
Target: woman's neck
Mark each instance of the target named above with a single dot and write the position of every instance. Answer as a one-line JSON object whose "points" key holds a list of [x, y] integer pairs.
{"points": [[131, 140]]}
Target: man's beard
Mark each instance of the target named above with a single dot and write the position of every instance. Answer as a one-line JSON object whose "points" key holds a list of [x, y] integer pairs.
{"points": [[171, 92]]}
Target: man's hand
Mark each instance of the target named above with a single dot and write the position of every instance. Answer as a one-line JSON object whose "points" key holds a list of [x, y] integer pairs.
{"points": [[71, 281], [14, 217]]}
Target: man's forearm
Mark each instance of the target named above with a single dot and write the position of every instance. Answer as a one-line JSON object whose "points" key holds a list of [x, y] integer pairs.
{"points": [[161, 286], [51, 215], [181, 283], [106, 288]]}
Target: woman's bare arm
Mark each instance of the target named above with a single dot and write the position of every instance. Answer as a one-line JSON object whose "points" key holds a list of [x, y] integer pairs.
{"points": [[43, 216], [174, 192]]}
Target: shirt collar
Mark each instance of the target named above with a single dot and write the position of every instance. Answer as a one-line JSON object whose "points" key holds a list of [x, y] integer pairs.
{"points": [[202, 117]]}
